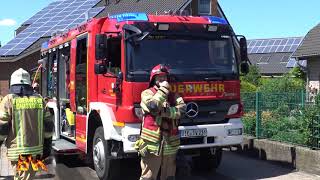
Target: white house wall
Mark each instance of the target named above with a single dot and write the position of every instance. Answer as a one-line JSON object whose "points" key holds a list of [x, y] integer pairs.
{"points": [[313, 73]]}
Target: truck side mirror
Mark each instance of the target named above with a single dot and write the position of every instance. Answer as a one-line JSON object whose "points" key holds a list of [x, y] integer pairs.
{"points": [[101, 47], [244, 67], [243, 49]]}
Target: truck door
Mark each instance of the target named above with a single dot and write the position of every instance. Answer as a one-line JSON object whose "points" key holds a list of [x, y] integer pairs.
{"points": [[80, 91], [67, 123], [108, 83], [51, 71]]}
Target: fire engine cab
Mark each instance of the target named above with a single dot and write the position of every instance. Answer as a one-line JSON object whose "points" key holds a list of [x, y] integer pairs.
{"points": [[94, 75]]}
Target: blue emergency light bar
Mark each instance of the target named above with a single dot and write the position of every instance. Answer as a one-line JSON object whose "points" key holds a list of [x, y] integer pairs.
{"points": [[216, 20], [45, 45], [130, 17]]}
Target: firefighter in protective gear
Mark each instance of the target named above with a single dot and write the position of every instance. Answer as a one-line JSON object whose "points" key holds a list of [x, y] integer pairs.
{"points": [[159, 141], [25, 123]]}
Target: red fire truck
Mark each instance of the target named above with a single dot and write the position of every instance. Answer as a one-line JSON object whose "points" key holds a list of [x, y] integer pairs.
{"points": [[94, 75]]}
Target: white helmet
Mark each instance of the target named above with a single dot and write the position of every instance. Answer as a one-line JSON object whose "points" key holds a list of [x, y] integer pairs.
{"points": [[20, 76]]}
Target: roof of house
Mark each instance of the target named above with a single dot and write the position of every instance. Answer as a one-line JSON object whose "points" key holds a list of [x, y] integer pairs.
{"points": [[146, 6], [97, 8], [271, 63], [310, 46], [273, 56]]}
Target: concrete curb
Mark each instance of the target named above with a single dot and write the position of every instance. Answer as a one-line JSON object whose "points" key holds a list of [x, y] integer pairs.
{"points": [[301, 158]]}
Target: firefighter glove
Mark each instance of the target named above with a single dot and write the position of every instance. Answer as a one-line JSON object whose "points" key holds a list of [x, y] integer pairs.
{"points": [[141, 147], [153, 107], [165, 84]]}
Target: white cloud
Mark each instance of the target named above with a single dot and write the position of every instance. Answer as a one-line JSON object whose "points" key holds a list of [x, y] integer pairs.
{"points": [[7, 22]]}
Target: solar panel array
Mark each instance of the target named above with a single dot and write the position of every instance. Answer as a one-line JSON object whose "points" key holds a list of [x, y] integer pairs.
{"points": [[258, 46], [59, 15], [293, 63]]}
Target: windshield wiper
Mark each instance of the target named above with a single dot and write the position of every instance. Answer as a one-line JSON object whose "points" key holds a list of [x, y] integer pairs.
{"points": [[139, 72], [221, 77], [216, 78], [137, 35]]}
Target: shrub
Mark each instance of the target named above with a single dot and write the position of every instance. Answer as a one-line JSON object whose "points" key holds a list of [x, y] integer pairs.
{"points": [[253, 77], [283, 84], [248, 87], [249, 123]]}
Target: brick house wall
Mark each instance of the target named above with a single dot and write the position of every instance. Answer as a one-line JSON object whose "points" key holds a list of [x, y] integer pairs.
{"points": [[7, 68]]}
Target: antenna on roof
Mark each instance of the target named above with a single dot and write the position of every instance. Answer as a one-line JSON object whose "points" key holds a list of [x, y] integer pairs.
{"points": [[183, 12], [86, 15], [170, 12]]}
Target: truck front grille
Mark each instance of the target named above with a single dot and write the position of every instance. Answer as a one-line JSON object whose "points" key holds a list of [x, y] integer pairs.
{"points": [[191, 141], [210, 112]]}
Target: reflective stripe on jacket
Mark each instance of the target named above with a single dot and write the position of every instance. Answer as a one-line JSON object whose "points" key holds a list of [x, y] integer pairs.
{"points": [[25, 116], [163, 123]]}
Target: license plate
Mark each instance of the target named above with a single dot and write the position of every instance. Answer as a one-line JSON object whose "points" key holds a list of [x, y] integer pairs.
{"points": [[193, 133]]}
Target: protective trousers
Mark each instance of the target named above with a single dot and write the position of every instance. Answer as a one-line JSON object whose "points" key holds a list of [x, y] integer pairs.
{"points": [[151, 164], [22, 175]]}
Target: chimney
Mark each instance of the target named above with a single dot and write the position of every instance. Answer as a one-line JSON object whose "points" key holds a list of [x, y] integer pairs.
{"points": [[214, 7]]}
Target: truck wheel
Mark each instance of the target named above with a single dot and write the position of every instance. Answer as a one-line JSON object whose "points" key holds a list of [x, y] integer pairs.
{"points": [[105, 167], [207, 161]]}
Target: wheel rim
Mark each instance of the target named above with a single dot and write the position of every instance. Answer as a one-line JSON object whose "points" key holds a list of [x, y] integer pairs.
{"points": [[99, 154]]}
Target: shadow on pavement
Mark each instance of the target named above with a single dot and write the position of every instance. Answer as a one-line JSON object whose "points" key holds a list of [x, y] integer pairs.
{"points": [[6, 177], [244, 167], [233, 166], [44, 176]]}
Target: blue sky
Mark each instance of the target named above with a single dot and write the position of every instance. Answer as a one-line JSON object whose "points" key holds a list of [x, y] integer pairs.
{"points": [[14, 12], [252, 18], [272, 18]]}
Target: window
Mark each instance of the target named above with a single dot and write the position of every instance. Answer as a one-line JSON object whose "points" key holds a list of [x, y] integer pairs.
{"points": [[204, 7], [64, 72], [81, 76], [52, 74], [114, 65]]}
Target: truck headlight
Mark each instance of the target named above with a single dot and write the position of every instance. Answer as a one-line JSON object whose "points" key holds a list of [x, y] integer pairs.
{"points": [[233, 109], [133, 138]]}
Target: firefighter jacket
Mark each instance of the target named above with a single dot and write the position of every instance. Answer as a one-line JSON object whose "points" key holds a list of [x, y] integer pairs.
{"points": [[28, 122], [162, 111]]}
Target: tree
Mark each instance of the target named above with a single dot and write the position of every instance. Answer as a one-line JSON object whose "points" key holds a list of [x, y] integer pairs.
{"points": [[297, 73], [283, 84], [253, 77]]}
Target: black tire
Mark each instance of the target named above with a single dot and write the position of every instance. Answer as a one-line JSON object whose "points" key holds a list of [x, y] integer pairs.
{"points": [[207, 161], [106, 168]]}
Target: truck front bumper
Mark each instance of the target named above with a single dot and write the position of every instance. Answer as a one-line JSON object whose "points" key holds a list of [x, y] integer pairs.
{"points": [[218, 135]]}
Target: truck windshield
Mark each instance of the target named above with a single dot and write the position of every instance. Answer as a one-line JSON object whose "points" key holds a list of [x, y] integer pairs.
{"points": [[185, 56]]}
